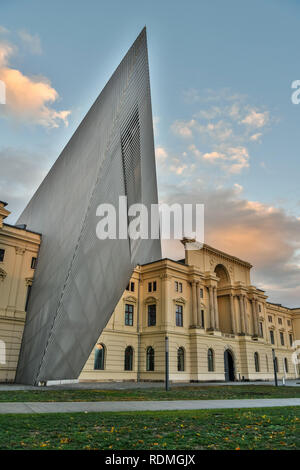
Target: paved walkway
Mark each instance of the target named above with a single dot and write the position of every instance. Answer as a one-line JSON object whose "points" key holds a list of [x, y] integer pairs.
{"points": [[136, 385], [102, 406]]}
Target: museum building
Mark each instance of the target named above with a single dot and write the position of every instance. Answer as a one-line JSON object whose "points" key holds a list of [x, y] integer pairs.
{"points": [[219, 326]]}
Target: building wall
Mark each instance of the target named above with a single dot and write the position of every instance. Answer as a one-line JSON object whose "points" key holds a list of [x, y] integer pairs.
{"points": [[177, 283], [15, 276], [196, 340]]}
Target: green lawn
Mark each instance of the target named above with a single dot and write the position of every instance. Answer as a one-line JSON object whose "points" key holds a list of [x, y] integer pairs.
{"points": [[259, 428], [176, 393]]}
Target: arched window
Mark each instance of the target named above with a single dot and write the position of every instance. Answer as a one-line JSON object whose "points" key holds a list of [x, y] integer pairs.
{"points": [[99, 359], [180, 359], [210, 360], [150, 358], [286, 365], [128, 358], [256, 361]]}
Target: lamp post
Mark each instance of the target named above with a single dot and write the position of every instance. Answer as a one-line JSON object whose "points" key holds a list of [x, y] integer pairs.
{"points": [[275, 368], [167, 363]]}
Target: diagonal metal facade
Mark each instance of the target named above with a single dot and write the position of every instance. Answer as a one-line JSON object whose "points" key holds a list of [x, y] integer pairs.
{"points": [[79, 279]]}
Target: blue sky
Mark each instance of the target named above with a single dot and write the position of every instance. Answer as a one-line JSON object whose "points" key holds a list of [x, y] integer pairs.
{"points": [[226, 131]]}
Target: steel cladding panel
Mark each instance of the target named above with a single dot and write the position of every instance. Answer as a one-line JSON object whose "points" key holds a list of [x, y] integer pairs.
{"points": [[79, 279]]}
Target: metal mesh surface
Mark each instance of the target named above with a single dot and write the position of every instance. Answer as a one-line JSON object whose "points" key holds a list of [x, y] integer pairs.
{"points": [[79, 279]]}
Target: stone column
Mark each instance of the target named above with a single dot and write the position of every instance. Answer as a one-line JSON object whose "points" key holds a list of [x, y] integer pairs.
{"points": [[242, 318], [198, 305], [167, 319], [245, 315], [194, 304], [256, 316], [255, 329], [217, 323], [232, 314], [211, 308], [13, 300]]}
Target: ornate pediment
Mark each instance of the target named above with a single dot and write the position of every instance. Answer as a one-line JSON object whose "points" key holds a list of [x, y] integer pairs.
{"points": [[179, 300], [130, 298], [150, 300]]}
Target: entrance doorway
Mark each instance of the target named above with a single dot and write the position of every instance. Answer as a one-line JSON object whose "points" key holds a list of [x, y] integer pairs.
{"points": [[229, 366]]}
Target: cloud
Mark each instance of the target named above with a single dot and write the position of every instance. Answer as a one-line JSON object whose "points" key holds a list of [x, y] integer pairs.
{"points": [[256, 137], [212, 157], [265, 236], [28, 99], [32, 42], [183, 128], [256, 119], [3, 30], [232, 159], [6, 50], [161, 153], [222, 132], [21, 173]]}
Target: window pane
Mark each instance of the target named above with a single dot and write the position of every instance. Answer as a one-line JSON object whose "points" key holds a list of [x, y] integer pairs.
{"points": [[180, 359], [128, 358], [2, 253], [128, 314], [150, 359], [151, 315], [99, 357], [179, 315]]}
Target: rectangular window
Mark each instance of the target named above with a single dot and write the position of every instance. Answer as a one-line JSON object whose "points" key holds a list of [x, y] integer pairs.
{"points": [[202, 319], [179, 315], [149, 286], [128, 315], [132, 286], [289, 322], [270, 318], [272, 337], [33, 263], [180, 286], [261, 331], [2, 253], [291, 340], [281, 338], [176, 286], [151, 315], [201, 293], [280, 321], [154, 286], [259, 307]]}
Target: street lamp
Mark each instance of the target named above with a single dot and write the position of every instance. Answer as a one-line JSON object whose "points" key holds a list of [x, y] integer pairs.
{"points": [[167, 363], [275, 367]]}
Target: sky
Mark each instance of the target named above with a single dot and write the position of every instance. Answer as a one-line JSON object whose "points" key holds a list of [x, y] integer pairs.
{"points": [[226, 129]]}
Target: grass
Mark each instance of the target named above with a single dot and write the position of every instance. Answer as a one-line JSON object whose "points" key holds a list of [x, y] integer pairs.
{"points": [[259, 428], [176, 393]]}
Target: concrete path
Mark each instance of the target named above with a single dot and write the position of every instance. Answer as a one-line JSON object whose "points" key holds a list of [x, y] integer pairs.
{"points": [[102, 406], [135, 385]]}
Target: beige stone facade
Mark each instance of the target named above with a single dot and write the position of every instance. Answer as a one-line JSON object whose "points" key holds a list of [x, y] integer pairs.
{"points": [[18, 252], [223, 322], [214, 319]]}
